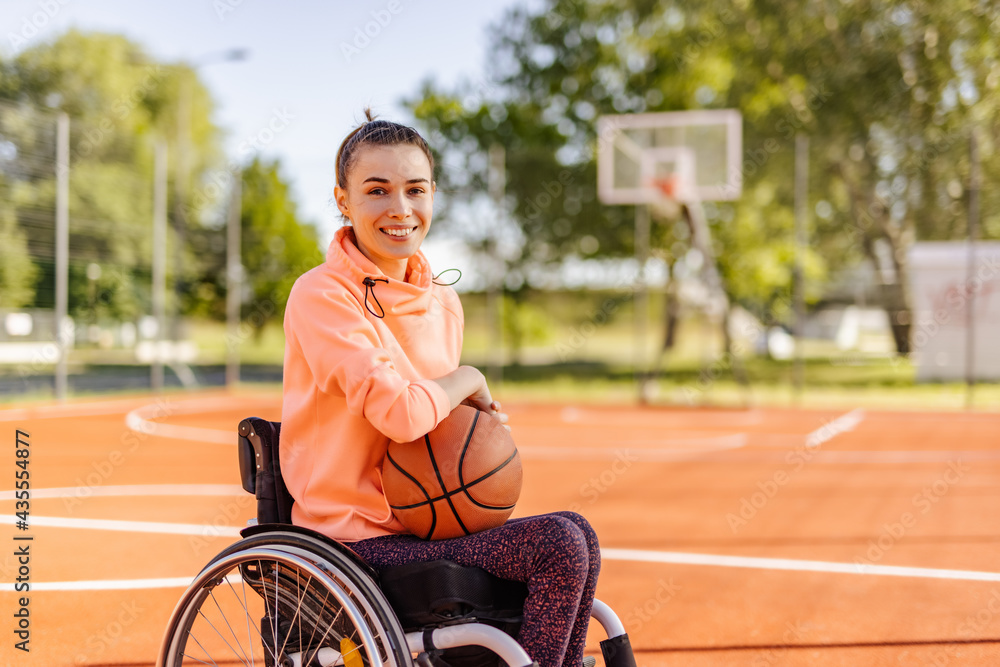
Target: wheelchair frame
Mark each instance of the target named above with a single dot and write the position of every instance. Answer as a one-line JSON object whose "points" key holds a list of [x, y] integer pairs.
{"points": [[289, 568]]}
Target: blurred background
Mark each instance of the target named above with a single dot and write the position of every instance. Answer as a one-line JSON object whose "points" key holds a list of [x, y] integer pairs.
{"points": [[166, 172]]}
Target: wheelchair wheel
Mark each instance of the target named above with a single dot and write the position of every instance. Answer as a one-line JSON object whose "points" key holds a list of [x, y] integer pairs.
{"points": [[262, 602]]}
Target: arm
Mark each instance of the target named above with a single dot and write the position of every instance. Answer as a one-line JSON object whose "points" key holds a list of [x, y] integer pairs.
{"points": [[467, 385], [339, 352]]}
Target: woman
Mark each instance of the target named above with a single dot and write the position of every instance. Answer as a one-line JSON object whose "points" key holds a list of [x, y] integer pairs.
{"points": [[372, 355]]}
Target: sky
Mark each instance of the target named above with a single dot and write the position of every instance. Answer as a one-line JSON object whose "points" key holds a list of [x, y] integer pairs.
{"points": [[316, 63]]}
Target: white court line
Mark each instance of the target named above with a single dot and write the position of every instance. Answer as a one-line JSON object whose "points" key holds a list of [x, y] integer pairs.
{"points": [[67, 410], [117, 406], [632, 555], [137, 420], [127, 526], [115, 584], [682, 558], [843, 457], [688, 448], [133, 490]]}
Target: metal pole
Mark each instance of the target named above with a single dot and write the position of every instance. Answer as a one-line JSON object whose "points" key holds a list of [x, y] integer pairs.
{"points": [[159, 258], [181, 179], [494, 289], [234, 282], [973, 223], [641, 300], [62, 331], [798, 277]]}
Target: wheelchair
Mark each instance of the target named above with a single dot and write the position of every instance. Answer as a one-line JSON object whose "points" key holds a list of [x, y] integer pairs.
{"points": [[288, 596]]}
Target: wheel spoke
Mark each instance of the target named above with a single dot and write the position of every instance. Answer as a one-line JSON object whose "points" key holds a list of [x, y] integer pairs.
{"points": [[298, 609], [212, 625], [231, 631]]}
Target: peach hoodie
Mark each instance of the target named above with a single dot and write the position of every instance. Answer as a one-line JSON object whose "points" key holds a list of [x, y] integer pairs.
{"points": [[353, 381]]}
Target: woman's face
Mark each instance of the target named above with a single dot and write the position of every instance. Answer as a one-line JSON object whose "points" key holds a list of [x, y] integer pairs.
{"points": [[389, 199]]}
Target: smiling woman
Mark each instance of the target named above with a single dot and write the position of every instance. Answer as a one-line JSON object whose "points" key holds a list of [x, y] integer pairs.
{"points": [[372, 348], [390, 204]]}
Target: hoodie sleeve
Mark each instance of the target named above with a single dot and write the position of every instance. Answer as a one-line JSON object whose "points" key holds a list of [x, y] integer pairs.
{"points": [[326, 329]]}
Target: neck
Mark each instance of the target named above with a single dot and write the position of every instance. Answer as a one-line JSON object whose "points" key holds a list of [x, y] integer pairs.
{"points": [[393, 268]]}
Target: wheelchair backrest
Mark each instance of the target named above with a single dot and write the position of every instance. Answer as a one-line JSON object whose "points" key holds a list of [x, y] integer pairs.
{"points": [[260, 469]]}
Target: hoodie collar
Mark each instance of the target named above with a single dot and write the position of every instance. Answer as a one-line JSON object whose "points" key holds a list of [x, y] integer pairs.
{"points": [[395, 296]]}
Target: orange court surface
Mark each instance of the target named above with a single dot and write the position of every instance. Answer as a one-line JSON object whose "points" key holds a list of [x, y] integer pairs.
{"points": [[758, 537]]}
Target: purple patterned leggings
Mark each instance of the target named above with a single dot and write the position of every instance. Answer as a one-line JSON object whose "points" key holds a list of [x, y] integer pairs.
{"points": [[556, 554]]}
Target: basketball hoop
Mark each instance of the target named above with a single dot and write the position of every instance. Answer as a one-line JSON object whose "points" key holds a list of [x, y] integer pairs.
{"points": [[668, 188], [668, 185]]}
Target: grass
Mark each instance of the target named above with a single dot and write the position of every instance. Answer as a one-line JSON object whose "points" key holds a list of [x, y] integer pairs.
{"points": [[586, 352]]}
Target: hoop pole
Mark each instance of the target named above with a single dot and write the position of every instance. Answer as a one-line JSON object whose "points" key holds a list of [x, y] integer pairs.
{"points": [[641, 299]]}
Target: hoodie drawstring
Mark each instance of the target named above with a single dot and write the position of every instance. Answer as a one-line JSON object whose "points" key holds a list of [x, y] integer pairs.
{"points": [[369, 283], [370, 288], [435, 280]]}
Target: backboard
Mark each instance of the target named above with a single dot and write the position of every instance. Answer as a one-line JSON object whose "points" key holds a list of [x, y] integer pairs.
{"points": [[702, 148]]}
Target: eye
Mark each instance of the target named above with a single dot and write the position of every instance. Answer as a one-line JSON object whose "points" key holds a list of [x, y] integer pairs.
{"points": [[377, 191], [416, 191]]}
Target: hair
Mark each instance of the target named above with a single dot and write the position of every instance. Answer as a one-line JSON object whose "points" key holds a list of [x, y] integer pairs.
{"points": [[373, 132]]}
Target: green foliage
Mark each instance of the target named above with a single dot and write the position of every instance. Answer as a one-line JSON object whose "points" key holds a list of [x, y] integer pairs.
{"points": [[17, 273], [887, 90], [118, 100], [277, 247], [524, 323]]}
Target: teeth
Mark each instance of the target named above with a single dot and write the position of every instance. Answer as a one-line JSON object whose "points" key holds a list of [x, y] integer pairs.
{"points": [[398, 232]]}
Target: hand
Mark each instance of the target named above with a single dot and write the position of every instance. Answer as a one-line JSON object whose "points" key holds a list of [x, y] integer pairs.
{"points": [[466, 385], [494, 412]]}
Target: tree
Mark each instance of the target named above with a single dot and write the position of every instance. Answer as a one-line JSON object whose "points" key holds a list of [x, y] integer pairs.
{"points": [[118, 100], [888, 91], [276, 248]]}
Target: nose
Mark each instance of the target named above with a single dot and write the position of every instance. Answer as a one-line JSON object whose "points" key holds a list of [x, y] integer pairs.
{"points": [[399, 206]]}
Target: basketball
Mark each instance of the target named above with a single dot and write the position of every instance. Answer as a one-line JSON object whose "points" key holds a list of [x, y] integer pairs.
{"points": [[459, 479]]}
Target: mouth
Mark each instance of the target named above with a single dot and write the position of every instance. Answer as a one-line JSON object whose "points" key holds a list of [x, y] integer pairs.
{"points": [[397, 232]]}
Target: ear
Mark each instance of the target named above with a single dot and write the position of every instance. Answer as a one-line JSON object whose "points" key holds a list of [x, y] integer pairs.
{"points": [[340, 196]]}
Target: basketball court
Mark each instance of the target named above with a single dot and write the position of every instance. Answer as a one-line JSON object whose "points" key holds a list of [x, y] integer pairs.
{"points": [[754, 537]]}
